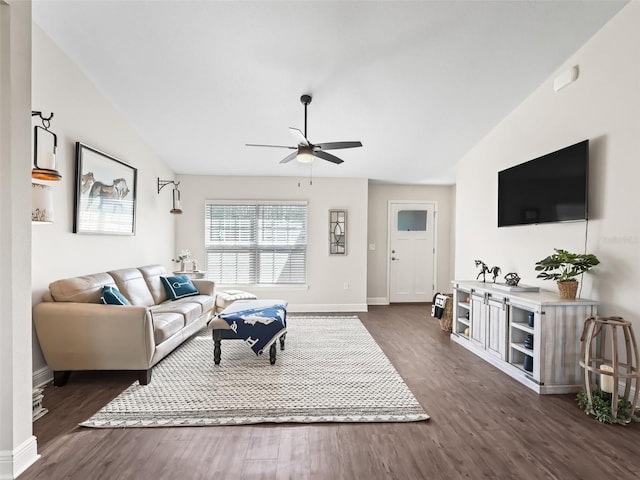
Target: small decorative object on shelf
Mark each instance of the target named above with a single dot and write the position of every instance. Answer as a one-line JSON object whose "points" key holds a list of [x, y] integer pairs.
{"points": [[528, 363], [483, 269], [599, 338], [564, 266], [528, 342], [495, 271], [512, 279], [183, 258]]}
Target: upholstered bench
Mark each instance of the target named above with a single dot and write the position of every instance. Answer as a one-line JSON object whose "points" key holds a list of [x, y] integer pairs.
{"points": [[260, 323], [227, 297]]}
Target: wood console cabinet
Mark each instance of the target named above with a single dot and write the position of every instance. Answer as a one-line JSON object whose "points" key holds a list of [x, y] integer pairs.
{"points": [[494, 324]]}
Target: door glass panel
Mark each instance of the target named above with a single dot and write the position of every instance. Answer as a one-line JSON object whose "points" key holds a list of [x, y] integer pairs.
{"points": [[412, 221]]}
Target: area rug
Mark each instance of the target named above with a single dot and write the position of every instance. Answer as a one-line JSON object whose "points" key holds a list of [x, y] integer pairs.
{"points": [[331, 370]]}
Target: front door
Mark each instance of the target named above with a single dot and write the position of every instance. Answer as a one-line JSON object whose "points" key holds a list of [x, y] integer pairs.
{"points": [[411, 252]]}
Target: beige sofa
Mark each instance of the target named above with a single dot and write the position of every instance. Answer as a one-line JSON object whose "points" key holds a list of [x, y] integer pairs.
{"points": [[77, 332]]}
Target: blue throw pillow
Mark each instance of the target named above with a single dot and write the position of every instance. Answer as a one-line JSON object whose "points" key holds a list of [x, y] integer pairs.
{"points": [[179, 287], [112, 296]]}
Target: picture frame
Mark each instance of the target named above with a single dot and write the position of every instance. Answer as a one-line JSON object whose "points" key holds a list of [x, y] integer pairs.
{"points": [[105, 196]]}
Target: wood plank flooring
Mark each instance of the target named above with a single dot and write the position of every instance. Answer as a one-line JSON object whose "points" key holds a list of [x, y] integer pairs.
{"points": [[483, 425]]}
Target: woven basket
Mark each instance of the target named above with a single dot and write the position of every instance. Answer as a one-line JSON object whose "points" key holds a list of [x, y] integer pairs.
{"points": [[568, 289], [446, 322]]}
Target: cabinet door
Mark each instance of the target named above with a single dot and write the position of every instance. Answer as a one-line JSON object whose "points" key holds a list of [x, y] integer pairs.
{"points": [[496, 328], [477, 327]]}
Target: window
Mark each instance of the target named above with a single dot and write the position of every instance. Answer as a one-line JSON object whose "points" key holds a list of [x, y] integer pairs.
{"points": [[412, 221], [256, 242]]}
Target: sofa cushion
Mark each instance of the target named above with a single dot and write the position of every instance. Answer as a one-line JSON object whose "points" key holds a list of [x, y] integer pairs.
{"points": [[205, 301], [152, 274], [165, 325], [179, 286], [112, 296], [132, 285], [84, 289], [189, 311]]}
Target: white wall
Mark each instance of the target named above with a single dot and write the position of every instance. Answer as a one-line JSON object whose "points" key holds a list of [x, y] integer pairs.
{"points": [[379, 197], [603, 105], [18, 448], [326, 274], [82, 114]]}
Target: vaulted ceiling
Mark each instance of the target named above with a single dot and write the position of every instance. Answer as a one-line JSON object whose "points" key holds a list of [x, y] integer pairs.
{"points": [[419, 83]]}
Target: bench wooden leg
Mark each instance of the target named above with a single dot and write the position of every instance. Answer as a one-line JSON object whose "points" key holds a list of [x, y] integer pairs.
{"points": [[217, 349], [61, 377], [272, 353], [144, 376]]}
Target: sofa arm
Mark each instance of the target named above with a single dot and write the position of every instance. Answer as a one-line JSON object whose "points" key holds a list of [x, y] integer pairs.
{"points": [[205, 287], [89, 336]]}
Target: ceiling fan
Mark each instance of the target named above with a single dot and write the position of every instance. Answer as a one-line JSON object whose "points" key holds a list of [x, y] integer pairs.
{"points": [[305, 151]]}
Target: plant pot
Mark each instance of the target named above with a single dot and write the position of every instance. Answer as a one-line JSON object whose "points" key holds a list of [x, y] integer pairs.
{"points": [[568, 289]]}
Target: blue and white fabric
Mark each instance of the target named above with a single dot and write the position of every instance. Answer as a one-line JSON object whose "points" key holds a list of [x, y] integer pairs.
{"points": [[179, 286], [112, 296], [258, 322]]}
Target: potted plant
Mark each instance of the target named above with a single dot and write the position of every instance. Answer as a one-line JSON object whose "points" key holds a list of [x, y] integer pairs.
{"points": [[563, 266]]}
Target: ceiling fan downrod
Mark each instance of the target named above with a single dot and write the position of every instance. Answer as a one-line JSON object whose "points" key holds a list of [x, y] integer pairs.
{"points": [[306, 100]]}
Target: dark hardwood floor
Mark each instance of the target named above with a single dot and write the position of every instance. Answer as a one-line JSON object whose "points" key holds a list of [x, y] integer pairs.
{"points": [[483, 425]]}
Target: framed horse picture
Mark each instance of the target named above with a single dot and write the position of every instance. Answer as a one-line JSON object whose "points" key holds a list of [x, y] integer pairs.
{"points": [[105, 199]]}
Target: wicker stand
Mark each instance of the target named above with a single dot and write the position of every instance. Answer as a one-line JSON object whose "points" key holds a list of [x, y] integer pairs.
{"points": [[600, 335]]}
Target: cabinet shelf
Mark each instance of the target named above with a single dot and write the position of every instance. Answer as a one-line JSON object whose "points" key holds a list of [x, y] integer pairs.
{"points": [[464, 321], [520, 366], [522, 326], [521, 348], [464, 305]]}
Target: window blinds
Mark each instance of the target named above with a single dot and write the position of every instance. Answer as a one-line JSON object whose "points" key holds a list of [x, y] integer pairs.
{"points": [[256, 243]]}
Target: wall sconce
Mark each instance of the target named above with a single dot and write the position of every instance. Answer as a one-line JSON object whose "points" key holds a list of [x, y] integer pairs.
{"points": [[176, 194], [44, 150], [337, 232], [41, 204]]}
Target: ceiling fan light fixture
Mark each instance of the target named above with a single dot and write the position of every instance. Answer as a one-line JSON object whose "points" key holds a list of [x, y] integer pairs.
{"points": [[305, 156]]}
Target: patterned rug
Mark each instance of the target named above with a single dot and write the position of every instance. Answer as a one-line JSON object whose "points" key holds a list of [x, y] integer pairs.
{"points": [[331, 370]]}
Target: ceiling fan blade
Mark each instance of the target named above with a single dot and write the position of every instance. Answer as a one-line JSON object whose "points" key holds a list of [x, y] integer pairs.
{"points": [[289, 157], [337, 145], [299, 137], [327, 156], [274, 146]]}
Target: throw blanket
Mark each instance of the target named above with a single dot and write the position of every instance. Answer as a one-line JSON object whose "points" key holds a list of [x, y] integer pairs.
{"points": [[258, 322]]}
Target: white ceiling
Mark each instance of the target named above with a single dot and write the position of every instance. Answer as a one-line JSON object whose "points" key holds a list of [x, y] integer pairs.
{"points": [[418, 83]]}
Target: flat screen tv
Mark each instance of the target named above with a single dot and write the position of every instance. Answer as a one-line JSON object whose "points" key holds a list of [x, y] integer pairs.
{"points": [[551, 188]]}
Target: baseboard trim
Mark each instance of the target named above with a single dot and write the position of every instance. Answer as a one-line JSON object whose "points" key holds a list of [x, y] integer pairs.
{"points": [[323, 307], [41, 377], [377, 301], [13, 463]]}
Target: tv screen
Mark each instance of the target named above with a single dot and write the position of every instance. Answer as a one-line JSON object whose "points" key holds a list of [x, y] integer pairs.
{"points": [[551, 188]]}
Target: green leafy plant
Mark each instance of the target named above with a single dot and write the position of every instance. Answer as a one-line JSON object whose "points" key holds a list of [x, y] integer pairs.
{"points": [[601, 408], [562, 266]]}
